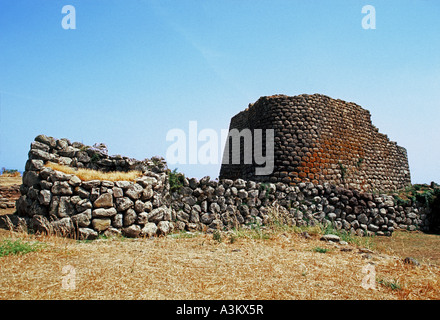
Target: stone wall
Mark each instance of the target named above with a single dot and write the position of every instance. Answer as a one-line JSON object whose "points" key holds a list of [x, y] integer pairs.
{"points": [[319, 139], [8, 196], [55, 202]]}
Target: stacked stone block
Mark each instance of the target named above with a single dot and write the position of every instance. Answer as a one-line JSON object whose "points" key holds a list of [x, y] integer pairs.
{"points": [[319, 139], [55, 202]]}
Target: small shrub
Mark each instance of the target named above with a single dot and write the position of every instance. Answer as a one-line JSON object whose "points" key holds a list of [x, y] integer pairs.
{"points": [[95, 157], [217, 236], [175, 179]]}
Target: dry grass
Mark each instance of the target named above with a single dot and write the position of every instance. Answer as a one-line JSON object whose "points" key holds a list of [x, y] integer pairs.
{"points": [[11, 175], [89, 174], [7, 180], [421, 246], [285, 266]]}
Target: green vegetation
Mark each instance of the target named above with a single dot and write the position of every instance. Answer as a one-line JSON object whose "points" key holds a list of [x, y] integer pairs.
{"points": [[393, 284], [427, 195], [175, 180], [366, 241], [8, 247], [184, 234], [359, 162], [343, 171], [217, 236], [95, 157], [320, 250], [421, 193], [10, 172]]}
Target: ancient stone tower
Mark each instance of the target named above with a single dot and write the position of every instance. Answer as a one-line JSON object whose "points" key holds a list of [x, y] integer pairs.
{"points": [[320, 139]]}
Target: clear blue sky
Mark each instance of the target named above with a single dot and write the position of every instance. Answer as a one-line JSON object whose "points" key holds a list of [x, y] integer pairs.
{"points": [[133, 70]]}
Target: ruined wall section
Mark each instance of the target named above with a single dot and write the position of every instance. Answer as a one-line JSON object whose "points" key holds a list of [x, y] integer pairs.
{"points": [[319, 139]]}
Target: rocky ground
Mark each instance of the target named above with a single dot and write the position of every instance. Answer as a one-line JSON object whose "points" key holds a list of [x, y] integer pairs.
{"points": [[9, 193]]}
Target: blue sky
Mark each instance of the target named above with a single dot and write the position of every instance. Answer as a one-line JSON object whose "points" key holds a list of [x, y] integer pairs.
{"points": [[133, 70]]}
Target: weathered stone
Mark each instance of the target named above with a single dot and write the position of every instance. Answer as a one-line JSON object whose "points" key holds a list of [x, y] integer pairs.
{"points": [[139, 206], [149, 229], [182, 216], [117, 192], [117, 220], [147, 193], [373, 227], [123, 204], [65, 207], [68, 152], [104, 213], [123, 184], [34, 165], [74, 181], [362, 218], [63, 227], [87, 234], [142, 218], [216, 224], [82, 219], [190, 200], [242, 194], [91, 184], [41, 155], [132, 231], [82, 156], [207, 218], [130, 217], [61, 188], [411, 215], [112, 232], [83, 204], [44, 197], [157, 215], [104, 201], [214, 208], [101, 224], [163, 227], [46, 140], [411, 261], [30, 178], [134, 191], [330, 237]]}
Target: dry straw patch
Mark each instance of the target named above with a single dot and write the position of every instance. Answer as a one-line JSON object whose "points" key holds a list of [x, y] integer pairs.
{"points": [[89, 174], [176, 267]]}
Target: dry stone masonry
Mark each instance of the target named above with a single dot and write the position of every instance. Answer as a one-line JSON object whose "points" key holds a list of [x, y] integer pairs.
{"points": [[55, 202], [319, 139]]}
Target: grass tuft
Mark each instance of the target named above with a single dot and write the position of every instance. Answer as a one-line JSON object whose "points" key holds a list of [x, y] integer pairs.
{"points": [[393, 284], [320, 250]]}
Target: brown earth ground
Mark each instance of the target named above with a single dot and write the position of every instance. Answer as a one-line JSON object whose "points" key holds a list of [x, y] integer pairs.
{"points": [[274, 263]]}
